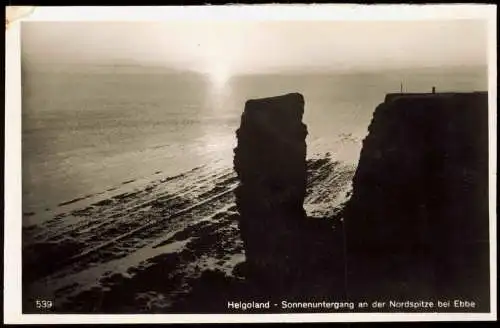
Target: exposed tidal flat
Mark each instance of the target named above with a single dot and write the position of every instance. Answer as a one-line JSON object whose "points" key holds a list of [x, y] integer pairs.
{"points": [[151, 249]]}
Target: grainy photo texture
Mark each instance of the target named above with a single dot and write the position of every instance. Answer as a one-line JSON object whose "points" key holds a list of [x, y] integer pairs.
{"points": [[255, 167]]}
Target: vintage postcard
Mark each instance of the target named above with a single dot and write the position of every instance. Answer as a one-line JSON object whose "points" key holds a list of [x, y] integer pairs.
{"points": [[274, 163]]}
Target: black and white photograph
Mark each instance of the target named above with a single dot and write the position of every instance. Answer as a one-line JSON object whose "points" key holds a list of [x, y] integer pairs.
{"points": [[217, 165]]}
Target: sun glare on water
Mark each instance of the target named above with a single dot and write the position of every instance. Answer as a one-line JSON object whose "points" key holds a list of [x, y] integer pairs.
{"points": [[219, 76], [219, 88]]}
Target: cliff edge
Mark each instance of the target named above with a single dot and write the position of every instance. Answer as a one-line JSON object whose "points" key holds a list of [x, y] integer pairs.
{"points": [[417, 223]]}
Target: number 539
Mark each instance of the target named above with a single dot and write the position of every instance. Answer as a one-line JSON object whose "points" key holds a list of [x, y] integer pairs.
{"points": [[44, 304]]}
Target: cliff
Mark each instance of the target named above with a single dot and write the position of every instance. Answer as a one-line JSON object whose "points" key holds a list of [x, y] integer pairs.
{"points": [[283, 247], [417, 222]]}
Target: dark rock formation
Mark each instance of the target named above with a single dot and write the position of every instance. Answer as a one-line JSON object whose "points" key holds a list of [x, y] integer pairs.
{"points": [[417, 222], [282, 245], [271, 156]]}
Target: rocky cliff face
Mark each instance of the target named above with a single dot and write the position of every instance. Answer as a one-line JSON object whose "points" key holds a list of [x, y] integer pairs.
{"points": [[417, 221], [282, 246]]}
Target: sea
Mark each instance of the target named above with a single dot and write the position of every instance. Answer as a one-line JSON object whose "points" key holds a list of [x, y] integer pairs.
{"points": [[86, 129]]}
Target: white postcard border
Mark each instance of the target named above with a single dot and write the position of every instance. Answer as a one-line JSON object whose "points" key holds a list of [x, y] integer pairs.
{"points": [[12, 179]]}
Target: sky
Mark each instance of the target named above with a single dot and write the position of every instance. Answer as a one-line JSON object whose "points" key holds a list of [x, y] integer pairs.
{"points": [[231, 47]]}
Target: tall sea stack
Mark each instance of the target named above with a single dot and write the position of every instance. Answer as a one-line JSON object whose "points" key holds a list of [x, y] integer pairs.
{"points": [[417, 224], [270, 160]]}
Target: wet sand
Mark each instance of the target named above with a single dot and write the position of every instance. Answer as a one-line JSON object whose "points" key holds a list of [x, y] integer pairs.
{"points": [[154, 245]]}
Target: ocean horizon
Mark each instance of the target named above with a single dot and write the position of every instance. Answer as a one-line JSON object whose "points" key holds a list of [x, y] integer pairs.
{"points": [[92, 128]]}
